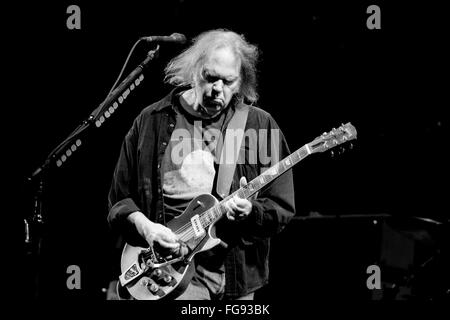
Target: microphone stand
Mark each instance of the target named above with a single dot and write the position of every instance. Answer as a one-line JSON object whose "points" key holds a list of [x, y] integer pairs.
{"points": [[34, 227]]}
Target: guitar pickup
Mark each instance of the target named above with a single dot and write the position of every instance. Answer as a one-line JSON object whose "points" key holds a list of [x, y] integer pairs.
{"points": [[197, 226]]}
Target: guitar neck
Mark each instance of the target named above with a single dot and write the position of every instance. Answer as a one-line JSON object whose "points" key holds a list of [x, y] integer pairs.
{"points": [[271, 174], [215, 213]]}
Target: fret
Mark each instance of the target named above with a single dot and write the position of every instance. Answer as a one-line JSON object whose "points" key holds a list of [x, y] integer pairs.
{"points": [[287, 162], [247, 190], [218, 212], [273, 171], [208, 218], [204, 220], [282, 167], [256, 184], [302, 152], [211, 215], [295, 157], [266, 177]]}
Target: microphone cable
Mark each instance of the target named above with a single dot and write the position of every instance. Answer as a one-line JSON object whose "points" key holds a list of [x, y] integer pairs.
{"points": [[124, 66]]}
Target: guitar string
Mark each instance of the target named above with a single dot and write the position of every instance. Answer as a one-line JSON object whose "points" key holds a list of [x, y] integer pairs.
{"points": [[187, 231], [188, 227], [203, 219], [272, 173], [184, 227], [201, 216]]}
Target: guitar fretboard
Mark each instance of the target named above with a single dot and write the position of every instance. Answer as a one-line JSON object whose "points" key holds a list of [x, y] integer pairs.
{"points": [[215, 213]]}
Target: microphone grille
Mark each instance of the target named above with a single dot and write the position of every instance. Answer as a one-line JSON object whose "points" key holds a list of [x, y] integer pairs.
{"points": [[178, 37]]}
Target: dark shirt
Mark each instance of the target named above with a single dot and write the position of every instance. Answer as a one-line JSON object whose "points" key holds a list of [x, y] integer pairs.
{"points": [[188, 166], [137, 186]]}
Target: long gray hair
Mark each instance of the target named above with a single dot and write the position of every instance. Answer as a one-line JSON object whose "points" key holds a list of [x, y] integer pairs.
{"points": [[182, 70]]}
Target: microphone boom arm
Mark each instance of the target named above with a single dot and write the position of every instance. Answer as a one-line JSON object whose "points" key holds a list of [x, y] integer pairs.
{"points": [[120, 93], [97, 116], [34, 224]]}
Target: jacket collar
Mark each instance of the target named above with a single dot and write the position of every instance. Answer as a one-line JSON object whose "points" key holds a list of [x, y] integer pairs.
{"points": [[167, 101]]}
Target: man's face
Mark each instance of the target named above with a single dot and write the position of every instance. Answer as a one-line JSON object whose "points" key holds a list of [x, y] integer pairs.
{"points": [[218, 81]]}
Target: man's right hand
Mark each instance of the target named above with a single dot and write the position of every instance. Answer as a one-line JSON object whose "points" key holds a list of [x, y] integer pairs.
{"points": [[154, 232]]}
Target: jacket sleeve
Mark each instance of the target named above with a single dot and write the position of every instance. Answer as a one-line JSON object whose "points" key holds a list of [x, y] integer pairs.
{"points": [[274, 206], [123, 193]]}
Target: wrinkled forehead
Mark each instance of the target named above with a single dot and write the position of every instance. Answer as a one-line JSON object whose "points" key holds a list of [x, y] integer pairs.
{"points": [[223, 59]]}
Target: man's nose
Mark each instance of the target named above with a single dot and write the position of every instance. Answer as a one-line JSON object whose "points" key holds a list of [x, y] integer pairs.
{"points": [[218, 85]]}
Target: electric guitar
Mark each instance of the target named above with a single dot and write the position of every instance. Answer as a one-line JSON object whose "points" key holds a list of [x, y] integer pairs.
{"points": [[150, 274]]}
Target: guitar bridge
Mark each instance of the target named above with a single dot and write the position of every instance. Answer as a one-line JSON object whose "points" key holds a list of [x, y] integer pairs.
{"points": [[153, 259]]}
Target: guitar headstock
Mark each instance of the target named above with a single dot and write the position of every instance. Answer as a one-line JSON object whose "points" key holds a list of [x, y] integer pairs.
{"points": [[335, 137]]}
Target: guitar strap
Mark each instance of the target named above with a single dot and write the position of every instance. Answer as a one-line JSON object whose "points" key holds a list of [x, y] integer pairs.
{"points": [[231, 149]]}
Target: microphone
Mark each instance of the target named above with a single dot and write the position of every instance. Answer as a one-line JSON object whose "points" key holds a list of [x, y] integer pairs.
{"points": [[174, 37]]}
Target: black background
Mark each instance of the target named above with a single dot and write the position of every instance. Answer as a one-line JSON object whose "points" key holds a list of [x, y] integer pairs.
{"points": [[320, 67]]}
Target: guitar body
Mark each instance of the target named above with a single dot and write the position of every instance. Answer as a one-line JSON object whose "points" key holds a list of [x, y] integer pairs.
{"points": [[151, 275], [180, 272]]}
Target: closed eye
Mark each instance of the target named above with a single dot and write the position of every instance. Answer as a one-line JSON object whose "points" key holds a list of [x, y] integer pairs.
{"points": [[213, 78]]}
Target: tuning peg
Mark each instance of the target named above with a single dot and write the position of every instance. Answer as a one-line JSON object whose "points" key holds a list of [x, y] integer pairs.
{"points": [[332, 154]]}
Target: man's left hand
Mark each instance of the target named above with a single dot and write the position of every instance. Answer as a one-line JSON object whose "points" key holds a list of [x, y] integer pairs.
{"points": [[238, 208]]}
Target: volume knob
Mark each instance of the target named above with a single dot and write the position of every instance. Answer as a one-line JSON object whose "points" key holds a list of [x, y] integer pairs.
{"points": [[157, 272], [167, 278], [153, 287]]}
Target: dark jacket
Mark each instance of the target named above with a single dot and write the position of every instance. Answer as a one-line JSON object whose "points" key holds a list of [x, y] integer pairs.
{"points": [[137, 186]]}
